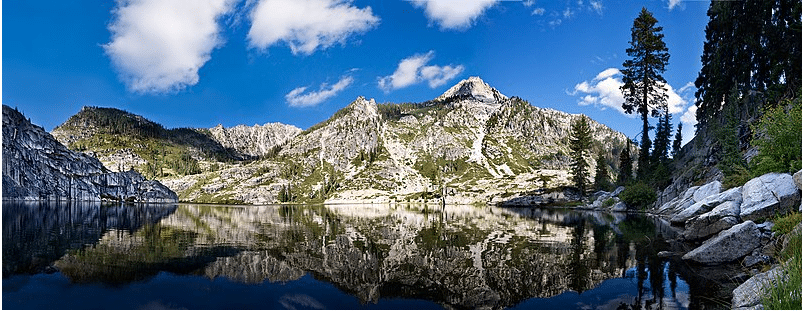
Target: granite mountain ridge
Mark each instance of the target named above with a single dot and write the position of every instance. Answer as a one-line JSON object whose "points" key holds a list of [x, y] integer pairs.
{"points": [[471, 144]]}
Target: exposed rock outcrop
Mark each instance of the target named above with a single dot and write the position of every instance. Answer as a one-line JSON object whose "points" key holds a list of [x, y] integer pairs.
{"points": [[728, 245], [478, 143], [37, 167], [767, 195], [749, 294], [722, 217], [255, 141], [706, 198]]}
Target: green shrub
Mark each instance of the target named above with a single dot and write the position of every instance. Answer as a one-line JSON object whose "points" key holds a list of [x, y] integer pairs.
{"points": [[638, 195], [738, 176], [779, 148], [785, 224], [785, 294], [609, 202]]}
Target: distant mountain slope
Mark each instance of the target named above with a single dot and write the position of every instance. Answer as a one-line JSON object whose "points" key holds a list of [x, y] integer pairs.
{"points": [[254, 141], [123, 140], [472, 143], [37, 167]]}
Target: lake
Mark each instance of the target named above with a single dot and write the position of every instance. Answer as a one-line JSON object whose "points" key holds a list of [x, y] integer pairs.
{"points": [[391, 256]]}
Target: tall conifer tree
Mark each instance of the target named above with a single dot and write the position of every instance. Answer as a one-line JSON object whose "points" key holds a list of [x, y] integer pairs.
{"points": [[601, 179], [677, 144], [580, 145], [625, 166], [644, 86]]}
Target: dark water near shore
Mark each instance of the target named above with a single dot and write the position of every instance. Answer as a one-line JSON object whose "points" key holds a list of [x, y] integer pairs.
{"points": [[88, 256]]}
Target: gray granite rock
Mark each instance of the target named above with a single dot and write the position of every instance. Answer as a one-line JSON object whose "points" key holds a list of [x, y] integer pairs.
{"points": [[729, 245], [748, 295], [619, 207], [706, 204], [37, 167], [722, 217], [768, 195]]}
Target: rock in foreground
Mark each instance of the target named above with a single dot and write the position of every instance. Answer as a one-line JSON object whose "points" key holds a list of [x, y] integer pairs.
{"points": [[728, 245], [37, 167]]}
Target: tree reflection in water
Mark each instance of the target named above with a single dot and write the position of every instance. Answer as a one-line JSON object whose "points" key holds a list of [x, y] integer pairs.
{"points": [[456, 256]]}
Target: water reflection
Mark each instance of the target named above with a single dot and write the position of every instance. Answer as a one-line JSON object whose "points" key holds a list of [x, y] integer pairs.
{"points": [[456, 256], [37, 233]]}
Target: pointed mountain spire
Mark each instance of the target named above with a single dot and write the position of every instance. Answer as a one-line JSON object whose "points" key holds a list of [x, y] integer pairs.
{"points": [[473, 87]]}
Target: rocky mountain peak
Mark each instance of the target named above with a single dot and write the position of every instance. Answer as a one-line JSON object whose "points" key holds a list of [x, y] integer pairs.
{"points": [[475, 88], [364, 108], [257, 140]]}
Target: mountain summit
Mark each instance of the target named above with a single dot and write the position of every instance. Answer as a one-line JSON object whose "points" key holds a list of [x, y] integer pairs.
{"points": [[472, 144], [473, 87]]}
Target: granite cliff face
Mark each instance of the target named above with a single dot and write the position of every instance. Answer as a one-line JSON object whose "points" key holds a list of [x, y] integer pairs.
{"points": [[37, 167], [471, 144], [254, 141]]}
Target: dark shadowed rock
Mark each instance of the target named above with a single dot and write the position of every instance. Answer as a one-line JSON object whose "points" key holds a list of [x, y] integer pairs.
{"points": [[728, 245], [37, 167]]}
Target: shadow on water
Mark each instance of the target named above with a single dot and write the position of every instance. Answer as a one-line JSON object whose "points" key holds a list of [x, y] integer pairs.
{"points": [[380, 255], [631, 243], [37, 233]]}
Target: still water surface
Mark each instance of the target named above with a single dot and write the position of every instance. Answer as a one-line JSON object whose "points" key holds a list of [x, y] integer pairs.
{"points": [[88, 256]]}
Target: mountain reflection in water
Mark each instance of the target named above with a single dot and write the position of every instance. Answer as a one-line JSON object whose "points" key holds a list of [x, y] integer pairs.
{"points": [[399, 256]]}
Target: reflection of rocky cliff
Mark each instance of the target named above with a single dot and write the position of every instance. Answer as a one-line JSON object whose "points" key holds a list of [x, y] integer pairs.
{"points": [[463, 257], [37, 233]]}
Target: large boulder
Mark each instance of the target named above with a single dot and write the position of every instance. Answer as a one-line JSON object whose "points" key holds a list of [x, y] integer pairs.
{"points": [[720, 218], [707, 190], [749, 294], [619, 207], [729, 245], [679, 203], [768, 195], [706, 204]]}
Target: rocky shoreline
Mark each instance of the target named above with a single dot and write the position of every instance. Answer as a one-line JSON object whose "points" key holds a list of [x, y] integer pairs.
{"points": [[714, 228], [730, 227]]}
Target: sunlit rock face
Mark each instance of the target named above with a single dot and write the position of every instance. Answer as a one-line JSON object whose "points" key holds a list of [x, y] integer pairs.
{"points": [[254, 141], [472, 143], [37, 167], [458, 256]]}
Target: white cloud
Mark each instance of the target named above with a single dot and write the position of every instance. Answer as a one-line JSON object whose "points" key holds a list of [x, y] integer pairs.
{"points": [[687, 87], [158, 46], [568, 13], [607, 73], [413, 70], [528, 3], [307, 25], [538, 11], [597, 7], [454, 14], [297, 97], [689, 120], [555, 22], [604, 91], [673, 4]]}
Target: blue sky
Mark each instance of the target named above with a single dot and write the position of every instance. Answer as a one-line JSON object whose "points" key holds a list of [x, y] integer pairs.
{"points": [[193, 63]]}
